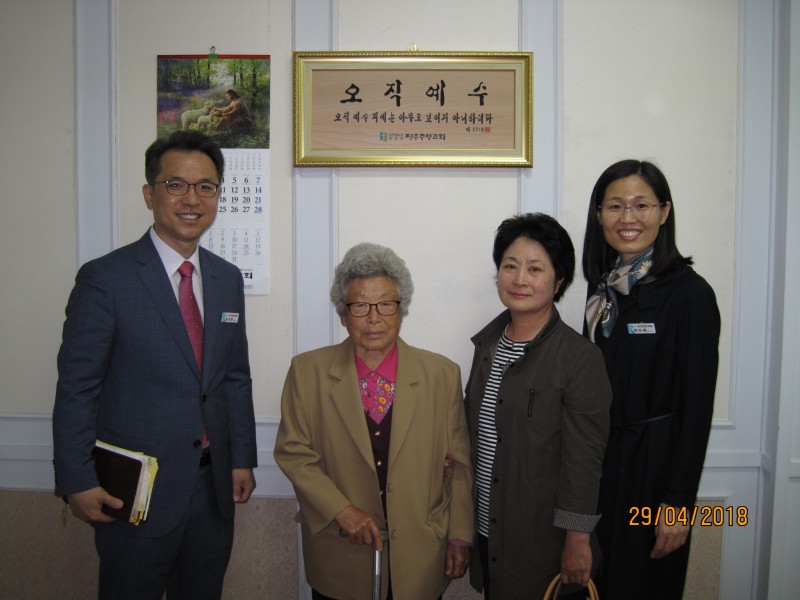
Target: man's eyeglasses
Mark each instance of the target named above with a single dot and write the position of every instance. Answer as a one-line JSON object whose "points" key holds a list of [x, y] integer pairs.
{"points": [[178, 187], [387, 308], [639, 209]]}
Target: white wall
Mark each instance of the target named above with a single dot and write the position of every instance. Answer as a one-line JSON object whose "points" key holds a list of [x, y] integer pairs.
{"points": [[447, 216], [37, 229], [440, 221], [148, 28], [670, 96], [784, 577], [660, 85]]}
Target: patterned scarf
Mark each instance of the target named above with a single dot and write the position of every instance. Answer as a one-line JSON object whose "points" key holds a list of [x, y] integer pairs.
{"points": [[602, 305]]}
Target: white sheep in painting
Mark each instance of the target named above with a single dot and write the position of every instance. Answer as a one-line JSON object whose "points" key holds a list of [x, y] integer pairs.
{"points": [[191, 116], [206, 122]]}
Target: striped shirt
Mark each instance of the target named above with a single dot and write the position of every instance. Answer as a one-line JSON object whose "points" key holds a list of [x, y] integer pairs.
{"points": [[506, 352]]}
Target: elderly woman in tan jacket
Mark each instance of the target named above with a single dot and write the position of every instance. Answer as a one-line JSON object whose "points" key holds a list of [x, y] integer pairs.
{"points": [[366, 427]]}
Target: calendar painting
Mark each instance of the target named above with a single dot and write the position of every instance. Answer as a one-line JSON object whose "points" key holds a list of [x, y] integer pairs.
{"points": [[227, 98]]}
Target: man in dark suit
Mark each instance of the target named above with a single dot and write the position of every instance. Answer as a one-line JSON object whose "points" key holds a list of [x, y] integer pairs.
{"points": [[136, 372]]}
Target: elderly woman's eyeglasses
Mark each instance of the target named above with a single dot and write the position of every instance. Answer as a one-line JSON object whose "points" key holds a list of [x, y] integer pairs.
{"points": [[639, 209], [361, 309], [178, 187]]}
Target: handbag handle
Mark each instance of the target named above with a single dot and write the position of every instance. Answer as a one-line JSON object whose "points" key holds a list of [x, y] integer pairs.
{"points": [[555, 587]]}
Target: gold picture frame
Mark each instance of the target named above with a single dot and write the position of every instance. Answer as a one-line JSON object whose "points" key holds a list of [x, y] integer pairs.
{"points": [[437, 109]]}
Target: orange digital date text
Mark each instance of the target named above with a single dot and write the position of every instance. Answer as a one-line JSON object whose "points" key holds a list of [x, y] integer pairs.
{"points": [[704, 516]]}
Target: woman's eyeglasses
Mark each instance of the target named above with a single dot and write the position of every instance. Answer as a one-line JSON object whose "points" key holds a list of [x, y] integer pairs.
{"points": [[639, 209], [361, 309]]}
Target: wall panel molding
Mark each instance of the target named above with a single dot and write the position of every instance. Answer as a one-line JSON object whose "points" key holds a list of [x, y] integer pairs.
{"points": [[735, 486], [26, 455], [540, 188], [95, 127]]}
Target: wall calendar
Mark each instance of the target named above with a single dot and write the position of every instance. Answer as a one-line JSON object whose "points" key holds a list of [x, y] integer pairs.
{"points": [[227, 98], [240, 232]]}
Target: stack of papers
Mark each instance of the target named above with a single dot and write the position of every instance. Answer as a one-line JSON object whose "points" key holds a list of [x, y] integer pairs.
{"points": [[126, 475]]}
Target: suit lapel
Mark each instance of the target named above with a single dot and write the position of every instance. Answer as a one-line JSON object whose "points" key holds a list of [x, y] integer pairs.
{"points": [[212, 309], [407, 397], [347, 399], [154, 278]]}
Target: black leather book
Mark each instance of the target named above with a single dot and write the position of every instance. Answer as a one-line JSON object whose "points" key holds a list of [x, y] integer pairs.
{"points": [[124, 475]]}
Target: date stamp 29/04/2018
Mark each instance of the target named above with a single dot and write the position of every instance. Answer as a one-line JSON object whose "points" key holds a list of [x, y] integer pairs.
{"points": [[704, 516]]}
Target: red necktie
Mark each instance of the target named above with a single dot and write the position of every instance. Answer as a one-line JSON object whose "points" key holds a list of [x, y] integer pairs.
{"points": [[190, 311], [191, 318]]}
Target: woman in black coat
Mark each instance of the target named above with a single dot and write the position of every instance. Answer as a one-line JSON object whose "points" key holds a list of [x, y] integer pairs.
{"points": [[657, 323]]}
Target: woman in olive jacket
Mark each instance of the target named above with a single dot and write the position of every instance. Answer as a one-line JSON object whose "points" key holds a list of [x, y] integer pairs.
{"points": [[537, 405]]}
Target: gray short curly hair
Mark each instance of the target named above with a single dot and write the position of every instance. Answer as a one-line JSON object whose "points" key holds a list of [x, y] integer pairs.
{"points": [[367, 260]]}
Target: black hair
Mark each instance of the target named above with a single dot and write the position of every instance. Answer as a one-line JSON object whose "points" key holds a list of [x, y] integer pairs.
{"points": [[183, 141], [598, 255], [544, 229]]}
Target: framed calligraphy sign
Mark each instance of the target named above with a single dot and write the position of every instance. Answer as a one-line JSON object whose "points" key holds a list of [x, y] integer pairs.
{"points": [[413, 109]]}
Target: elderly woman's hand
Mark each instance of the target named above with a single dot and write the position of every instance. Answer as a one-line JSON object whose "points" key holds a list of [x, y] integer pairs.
{"points": [[457, 560], [359, 527]]}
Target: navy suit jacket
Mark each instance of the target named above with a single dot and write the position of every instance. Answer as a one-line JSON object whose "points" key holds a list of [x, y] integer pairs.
{"points": [[128, 376]]}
